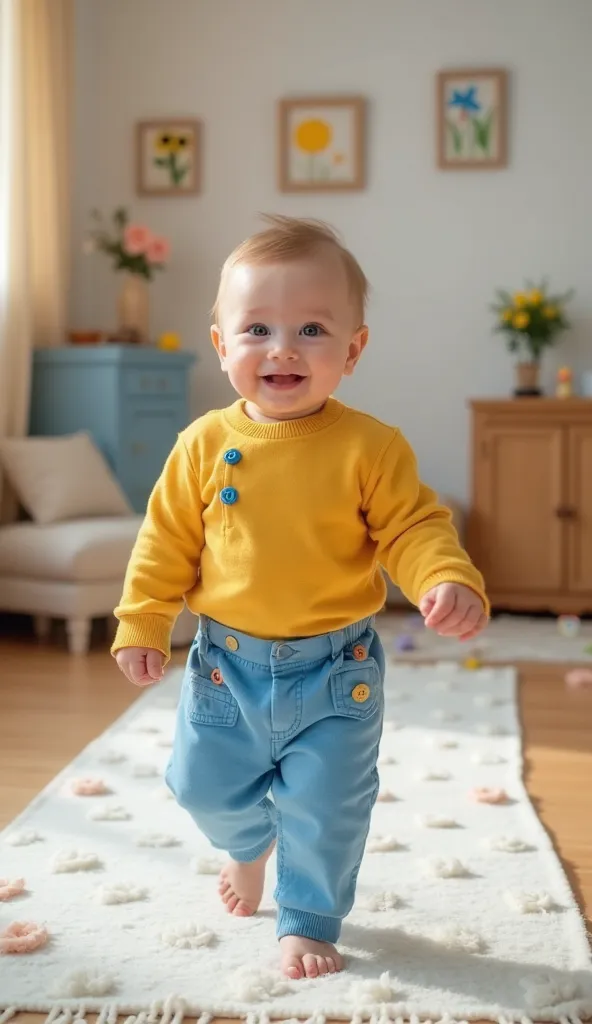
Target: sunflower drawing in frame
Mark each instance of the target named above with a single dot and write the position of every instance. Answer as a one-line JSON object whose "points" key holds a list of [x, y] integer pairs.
{"points": [[321, 144], [168, 157]]}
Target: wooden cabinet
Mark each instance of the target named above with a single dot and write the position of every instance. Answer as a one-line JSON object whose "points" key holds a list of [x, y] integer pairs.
{"points": [[133, 399], [530, 524]]}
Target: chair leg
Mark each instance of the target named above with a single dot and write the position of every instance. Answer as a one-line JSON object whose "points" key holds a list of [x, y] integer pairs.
{"points": [[78, 631], [42, 626]]}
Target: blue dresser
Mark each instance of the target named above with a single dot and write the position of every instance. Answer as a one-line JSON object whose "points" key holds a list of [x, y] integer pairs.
{"points": [[132, 399]]}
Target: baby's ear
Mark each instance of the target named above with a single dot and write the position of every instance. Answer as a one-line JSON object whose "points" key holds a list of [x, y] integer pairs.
{"points": [[356, 347], [218, 343]]}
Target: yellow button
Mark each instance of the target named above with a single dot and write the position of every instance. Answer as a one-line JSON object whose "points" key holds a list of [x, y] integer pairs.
{"points": [[231, 643], [360, 693]]}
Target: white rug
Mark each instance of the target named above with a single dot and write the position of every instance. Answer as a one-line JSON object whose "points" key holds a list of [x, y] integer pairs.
{"points": [[508, 639], [474, 920]]}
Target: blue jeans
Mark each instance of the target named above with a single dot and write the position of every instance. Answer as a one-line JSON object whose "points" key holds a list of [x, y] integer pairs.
{"points": [[300, 720]]}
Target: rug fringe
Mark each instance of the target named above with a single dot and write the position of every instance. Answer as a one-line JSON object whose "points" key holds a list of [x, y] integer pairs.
{"points": [[65, 1017], [172, 1011], [108, 1015]]}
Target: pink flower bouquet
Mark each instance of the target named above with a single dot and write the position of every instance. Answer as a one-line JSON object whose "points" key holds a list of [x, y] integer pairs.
{"points": [[132, 246]]}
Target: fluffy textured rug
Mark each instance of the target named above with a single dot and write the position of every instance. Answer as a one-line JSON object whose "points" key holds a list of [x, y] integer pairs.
{"points": [[462, 912], [508, 638]]}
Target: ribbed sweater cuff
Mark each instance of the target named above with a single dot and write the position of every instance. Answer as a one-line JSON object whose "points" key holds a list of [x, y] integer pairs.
{"points": [[450, 576], [144, 631]]}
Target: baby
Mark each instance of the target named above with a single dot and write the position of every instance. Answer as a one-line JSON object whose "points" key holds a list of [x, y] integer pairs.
{"points": [[272, 519]]}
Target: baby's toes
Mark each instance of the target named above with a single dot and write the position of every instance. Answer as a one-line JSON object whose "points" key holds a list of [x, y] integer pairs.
{"points": [[292, 967], [331, 967], [322, 965], [231, 900], [310, 964], [242, 910]]}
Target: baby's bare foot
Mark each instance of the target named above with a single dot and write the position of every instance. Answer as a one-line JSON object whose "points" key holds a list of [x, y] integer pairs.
{"points": [[306, 958], [241, 885]]}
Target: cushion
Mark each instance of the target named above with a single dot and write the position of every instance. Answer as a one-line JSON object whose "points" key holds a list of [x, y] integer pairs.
{"points": [[83, 550], [58, 478]]}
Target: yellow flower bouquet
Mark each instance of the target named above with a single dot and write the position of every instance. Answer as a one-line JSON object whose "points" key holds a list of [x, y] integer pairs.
{"points": [[531, 320]]}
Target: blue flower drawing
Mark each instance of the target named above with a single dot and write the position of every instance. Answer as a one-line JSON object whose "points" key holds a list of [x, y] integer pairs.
{"points": [[470, 123], [467, 101]]}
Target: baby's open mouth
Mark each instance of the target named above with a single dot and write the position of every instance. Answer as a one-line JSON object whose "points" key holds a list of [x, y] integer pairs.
{"points": [[283, 380]]}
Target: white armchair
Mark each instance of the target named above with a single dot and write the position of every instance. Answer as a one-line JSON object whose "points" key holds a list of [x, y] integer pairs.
{"points": [[73, 571]]}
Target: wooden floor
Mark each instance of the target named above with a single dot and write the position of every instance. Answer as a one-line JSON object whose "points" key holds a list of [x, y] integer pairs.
{"points": [[52, 705]]}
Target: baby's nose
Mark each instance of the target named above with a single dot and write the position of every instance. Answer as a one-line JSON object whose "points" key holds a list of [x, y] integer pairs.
{"points": [[283, 349]]}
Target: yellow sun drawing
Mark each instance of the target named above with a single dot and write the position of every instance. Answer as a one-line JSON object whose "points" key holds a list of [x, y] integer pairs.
{"points": [[313, 137]]}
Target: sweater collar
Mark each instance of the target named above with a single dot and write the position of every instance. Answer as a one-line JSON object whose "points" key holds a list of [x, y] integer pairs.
{"points": [[284, 429]]}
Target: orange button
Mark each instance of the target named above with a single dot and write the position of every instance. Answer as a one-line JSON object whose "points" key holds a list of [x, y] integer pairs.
{"points": [[216, 677], [360, 653], [360, 693]]}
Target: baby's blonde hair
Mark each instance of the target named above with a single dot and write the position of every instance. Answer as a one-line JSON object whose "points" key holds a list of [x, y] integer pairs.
{"points": [[294, 238]]}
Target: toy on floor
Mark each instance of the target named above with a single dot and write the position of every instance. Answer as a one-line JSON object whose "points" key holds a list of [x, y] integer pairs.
{"points": [[568, 626], [404, 643], [472, 663], [588, 649], [578, 678]]}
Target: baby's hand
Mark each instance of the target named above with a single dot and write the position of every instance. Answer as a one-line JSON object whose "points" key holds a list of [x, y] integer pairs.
{"points": [[141, 665], [453, 610]]}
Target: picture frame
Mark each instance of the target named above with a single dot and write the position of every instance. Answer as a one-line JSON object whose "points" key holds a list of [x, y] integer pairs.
{"points": [[322, 144], [472, 119], [168, 157]]}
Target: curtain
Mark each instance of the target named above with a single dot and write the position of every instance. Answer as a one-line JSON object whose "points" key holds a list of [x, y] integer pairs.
{"points": [[36, 42]]}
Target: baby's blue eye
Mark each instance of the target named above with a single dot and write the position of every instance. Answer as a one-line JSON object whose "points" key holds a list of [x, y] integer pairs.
{"points": [[258, 330], [312, 330]]}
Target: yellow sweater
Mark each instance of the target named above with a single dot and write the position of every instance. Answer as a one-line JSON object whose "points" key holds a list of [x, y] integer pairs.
{"points": [[279, 529]]}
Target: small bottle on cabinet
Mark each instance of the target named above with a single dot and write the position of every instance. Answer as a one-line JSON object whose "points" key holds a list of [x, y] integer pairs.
{"points": [[564, 387]]}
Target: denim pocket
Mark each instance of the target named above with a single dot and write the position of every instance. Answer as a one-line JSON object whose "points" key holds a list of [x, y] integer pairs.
{"points": [[356, 689], [209, 703]]}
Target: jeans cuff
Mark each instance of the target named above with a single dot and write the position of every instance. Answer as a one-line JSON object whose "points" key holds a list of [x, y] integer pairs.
{"points": [[248, 856], [310, 926]]}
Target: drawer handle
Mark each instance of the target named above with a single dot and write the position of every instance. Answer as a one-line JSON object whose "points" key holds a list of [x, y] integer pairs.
{"points": [[163, 384], [565, 512]]}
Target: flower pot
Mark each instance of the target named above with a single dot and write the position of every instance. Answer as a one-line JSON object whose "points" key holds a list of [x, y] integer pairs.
{"points": [[527, 380], [133, 308]]}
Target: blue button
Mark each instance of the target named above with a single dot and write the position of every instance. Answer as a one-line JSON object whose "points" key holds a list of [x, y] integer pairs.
{"points": [[229, 496], [232, 456]]}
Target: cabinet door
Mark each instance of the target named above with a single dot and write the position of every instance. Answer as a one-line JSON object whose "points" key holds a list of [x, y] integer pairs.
{"points": [[519, 490], [149, 434], [579, 509]]}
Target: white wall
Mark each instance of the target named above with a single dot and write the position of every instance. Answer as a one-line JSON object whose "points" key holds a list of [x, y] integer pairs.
{"points": [[434, 244]]}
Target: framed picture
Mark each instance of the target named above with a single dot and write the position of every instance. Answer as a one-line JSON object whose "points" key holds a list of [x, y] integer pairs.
{"points": [[168, 157], [472, 119], [321, 144]]}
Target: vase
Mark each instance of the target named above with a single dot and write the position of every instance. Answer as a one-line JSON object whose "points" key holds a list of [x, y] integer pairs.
{"points": [[527, 380], [133, 309]]}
